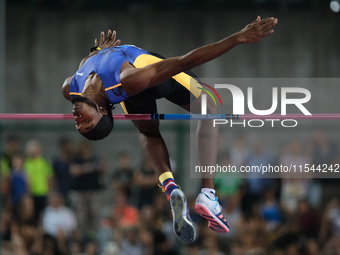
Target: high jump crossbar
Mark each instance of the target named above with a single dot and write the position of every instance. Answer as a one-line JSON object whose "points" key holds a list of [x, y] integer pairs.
{"points": [[60, 116]]}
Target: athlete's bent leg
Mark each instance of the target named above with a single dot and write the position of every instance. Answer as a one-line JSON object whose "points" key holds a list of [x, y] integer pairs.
{"points": [[207, 139], [207, 204], [157, 153], [153, 145]]}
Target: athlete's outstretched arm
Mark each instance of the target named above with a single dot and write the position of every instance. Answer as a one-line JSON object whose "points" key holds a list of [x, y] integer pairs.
{"points": [[135, 80]]}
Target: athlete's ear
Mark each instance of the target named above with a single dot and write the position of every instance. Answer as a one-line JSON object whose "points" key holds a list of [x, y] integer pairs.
{"points": [[103, 110]]}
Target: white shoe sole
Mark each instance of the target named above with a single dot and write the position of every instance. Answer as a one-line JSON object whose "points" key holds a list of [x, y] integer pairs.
{"points": [[182, 226]]}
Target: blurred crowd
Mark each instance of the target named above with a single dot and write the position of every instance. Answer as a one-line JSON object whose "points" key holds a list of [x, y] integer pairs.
{"points": [[58, 206]]}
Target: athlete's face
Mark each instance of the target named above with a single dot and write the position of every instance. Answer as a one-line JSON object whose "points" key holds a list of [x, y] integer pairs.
{"points": [[86, 115]]}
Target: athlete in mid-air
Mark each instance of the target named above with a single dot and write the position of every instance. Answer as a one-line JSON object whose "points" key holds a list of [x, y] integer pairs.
{"points": [[135, 78]]}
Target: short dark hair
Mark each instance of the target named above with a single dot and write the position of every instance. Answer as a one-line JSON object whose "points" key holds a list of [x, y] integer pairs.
{"points": [[103, 127]]}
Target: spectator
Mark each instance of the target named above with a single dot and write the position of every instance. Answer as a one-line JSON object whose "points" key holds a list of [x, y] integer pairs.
{"points": [[226, 184], [210, 246], [52, 246], [324, 150], [39, 173], [123, 176], [146, 179], [75, 248], [124, 214], [58, 220], [18, 180], [251, 243], [236, 248], [293, 155], [256, 185], [292, 191], [26, 211], [161, 244], [61, 167], [309, 222], [292, 250], [90, 248], [256, 251], [86, 171], [232, 212], [239, 152], [148, 219], [147, 241], [250, 231], [130, 244], [270, 210], [24, 227], [105, 233], [161, 209], [332, 246], [111, 248], [330, 220], [5, 226], [162, 218], [289, 236], [11, 147], [313, 247]]}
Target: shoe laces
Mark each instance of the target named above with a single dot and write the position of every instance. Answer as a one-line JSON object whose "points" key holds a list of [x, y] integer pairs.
{"points": [[218, 209], [163, 190]]}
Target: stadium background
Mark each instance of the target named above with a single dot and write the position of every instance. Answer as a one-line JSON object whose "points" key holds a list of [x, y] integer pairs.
{"points": [[43, 42]]}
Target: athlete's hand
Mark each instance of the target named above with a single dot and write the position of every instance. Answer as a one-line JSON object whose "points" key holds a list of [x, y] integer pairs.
{"points": [[257, 30], [109, 41]]}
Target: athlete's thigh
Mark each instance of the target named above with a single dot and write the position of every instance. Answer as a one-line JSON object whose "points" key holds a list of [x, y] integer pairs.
{"points": [[150, 107], [186, 91]]}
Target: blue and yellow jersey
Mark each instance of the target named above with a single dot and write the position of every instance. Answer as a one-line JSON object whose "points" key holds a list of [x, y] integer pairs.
{"points": [[107, 65]]}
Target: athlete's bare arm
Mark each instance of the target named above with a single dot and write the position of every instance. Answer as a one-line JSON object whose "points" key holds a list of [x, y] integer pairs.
{"points": [[135, 80], [66, 88]]}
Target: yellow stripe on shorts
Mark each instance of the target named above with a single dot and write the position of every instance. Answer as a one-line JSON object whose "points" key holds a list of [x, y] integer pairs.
{"points": [[182, 78], [122, 104]]}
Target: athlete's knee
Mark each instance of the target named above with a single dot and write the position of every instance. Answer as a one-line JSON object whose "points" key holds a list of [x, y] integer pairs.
{"points": [[196, 106], [211, 106]]}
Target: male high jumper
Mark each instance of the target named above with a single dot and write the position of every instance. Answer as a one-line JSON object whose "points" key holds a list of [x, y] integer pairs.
{"points": [[135, 78]]}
